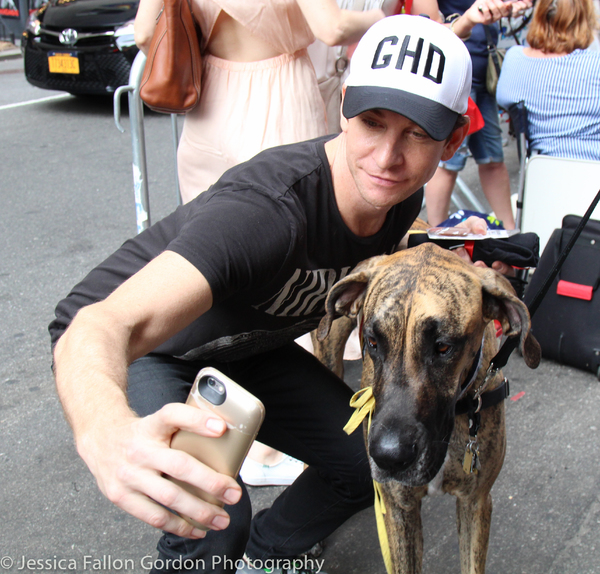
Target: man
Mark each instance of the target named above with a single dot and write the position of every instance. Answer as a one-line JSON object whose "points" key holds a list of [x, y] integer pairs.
{"points": [[230, 280]]}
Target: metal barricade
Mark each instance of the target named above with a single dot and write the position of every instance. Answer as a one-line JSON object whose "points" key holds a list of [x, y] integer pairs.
{"points": [[463, 198], [138, 141], [468, 200]]}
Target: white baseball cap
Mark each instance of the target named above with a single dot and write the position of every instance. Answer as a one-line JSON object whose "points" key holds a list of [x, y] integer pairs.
{"points": [[414, 67]]}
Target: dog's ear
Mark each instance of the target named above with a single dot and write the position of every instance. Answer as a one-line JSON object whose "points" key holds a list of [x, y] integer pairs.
{"points": [[346, 296], [500, 302]]}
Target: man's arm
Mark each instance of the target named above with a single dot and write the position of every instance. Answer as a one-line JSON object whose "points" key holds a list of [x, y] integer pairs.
{"points": [[128, 454]]}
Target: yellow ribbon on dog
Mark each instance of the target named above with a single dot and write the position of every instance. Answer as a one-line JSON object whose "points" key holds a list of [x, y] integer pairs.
{"points": [[364, 403]]}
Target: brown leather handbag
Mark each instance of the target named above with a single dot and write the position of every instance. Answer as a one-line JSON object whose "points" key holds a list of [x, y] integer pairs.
{"points": [[173, 70]]}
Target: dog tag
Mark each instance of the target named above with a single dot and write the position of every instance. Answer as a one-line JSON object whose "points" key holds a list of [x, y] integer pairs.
{"points": [[471, 464], [475, 464], [468, 461]]}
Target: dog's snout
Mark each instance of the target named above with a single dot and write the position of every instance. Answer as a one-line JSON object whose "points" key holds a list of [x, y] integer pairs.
{"points": [[393, 454]]}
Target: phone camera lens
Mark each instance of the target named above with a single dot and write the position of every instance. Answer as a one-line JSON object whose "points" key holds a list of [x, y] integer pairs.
{"points": [[216, 385]]}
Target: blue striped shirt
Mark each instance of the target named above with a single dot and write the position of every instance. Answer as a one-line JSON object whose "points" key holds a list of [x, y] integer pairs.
{"points": [[562, 97]]}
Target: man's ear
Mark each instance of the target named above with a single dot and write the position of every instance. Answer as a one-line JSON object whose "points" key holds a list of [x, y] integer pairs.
{"points": [[343, 120], [455, 139]]}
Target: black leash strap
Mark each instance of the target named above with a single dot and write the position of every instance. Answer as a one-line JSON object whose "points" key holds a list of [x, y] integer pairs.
{"points": [[512, 343], [488, 399]]}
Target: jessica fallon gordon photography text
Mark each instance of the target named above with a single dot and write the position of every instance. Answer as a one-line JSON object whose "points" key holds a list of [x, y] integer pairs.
{"points": [[79, 564], [108, 563]]}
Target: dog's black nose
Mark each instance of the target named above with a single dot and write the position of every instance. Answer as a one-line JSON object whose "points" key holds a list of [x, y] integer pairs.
{"points": [[392, 454]]}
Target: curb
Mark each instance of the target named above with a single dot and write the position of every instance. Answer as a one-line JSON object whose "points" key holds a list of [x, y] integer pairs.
{"points": [[9, 51], [10, 54]]}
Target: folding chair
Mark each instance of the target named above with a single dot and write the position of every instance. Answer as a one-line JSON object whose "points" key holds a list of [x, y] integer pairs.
{"points": [[550, 187], [555, 187], [518, 122]]}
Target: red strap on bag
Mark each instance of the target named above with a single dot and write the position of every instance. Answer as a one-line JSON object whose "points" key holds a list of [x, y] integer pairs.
{"points": [[575, 290], [469, 246], [404, 7]]}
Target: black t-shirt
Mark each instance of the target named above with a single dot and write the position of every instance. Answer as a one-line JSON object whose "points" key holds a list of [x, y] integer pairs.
{"points": [[270, 241]]}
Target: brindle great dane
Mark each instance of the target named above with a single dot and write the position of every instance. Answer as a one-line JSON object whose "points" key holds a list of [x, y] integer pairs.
{"points": [[427, 326]]}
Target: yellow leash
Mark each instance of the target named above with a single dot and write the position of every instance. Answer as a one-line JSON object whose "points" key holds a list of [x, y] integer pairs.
{"points": [[364, 403]]}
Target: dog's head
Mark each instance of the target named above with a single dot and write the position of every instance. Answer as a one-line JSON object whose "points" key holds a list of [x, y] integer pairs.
{"points": [[424, 312]]}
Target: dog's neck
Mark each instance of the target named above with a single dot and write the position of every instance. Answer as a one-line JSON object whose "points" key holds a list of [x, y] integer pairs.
{"points": [[473, 371]]}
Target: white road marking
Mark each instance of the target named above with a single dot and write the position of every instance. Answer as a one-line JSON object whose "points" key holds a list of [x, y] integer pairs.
{"points": [[30, 102]]}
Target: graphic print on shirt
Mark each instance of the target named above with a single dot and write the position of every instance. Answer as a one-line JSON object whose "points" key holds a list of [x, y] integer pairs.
{"points": [[304, 293]]}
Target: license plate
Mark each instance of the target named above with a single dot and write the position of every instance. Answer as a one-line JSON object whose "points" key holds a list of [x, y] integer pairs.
{"points": [[63, 63]]}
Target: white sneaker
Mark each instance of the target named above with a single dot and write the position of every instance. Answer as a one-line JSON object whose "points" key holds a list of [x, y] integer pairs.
{"points": [[281, 474]]}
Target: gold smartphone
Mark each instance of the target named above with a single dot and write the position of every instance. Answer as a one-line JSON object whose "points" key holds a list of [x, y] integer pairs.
{"points": [[242, 412]]}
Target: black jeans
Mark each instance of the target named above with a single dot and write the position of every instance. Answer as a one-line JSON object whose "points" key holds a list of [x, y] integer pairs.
{"points": [[306, 410]]}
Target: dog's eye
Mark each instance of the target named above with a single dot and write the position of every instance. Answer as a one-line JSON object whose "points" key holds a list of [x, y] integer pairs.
{"points": [[371, 342], [442, 348]]}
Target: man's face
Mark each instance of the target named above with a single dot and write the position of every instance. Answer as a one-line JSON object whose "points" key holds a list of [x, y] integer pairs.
{"points": [[390, 157]]}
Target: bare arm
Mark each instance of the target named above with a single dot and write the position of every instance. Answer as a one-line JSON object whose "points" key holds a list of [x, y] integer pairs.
{"points": [[128, 454], [145, 22], [335, 26], [487, 12]]}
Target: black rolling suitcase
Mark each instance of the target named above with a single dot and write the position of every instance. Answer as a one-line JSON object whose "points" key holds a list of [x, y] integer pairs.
{"points": [[567, 323]]}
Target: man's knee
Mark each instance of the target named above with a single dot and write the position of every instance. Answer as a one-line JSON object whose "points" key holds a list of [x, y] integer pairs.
{"points": [[355, 481], [218, 552]]}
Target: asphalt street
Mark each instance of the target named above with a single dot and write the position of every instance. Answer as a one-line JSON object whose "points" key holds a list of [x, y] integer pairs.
{"points": [[66, 203]]}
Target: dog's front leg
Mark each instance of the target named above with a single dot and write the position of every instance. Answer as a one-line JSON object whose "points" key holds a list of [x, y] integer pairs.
{"points": [[404, 527], [474, 515]]}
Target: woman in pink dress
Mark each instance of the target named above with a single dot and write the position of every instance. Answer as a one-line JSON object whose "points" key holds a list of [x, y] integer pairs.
{"points": [[259, 87]]}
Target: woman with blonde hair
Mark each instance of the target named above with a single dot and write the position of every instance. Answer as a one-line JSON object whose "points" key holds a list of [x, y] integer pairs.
{"points": [[557, 76]]}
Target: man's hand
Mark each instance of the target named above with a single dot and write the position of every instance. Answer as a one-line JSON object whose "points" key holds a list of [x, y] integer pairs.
{"points": [[478, 226], [129, 459], [127, 454]]}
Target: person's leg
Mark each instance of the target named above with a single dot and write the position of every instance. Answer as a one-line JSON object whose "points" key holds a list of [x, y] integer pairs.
{"points": [[439, 189], [486, 147], [307, 407], [437, 195], [495, 183], [154, 381]]}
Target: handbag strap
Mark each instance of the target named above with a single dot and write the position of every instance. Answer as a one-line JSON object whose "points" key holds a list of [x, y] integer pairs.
{"points": [[492, 49], [511, 344], [491, 45]]}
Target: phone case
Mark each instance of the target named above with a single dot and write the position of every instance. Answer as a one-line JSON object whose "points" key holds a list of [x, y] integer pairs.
{"points": [[243, 414]]}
